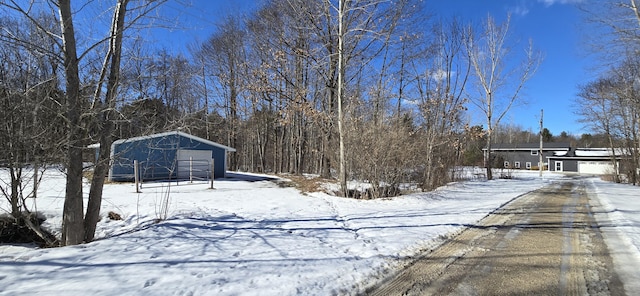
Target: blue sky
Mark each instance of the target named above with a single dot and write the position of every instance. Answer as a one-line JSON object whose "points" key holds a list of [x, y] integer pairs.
{"points": [[553, 25]]}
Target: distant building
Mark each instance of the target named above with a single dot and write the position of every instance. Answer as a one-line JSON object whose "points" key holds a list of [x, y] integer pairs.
{"points": [[525, 155], [588, 161], [557, 157], [169, 155]]}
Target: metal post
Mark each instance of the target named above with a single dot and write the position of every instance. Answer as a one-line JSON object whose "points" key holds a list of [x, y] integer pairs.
{"points": [[212, 173], [190, 169]]}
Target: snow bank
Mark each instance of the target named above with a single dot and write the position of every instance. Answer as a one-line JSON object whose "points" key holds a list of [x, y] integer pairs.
{"points": [[619, 218]]}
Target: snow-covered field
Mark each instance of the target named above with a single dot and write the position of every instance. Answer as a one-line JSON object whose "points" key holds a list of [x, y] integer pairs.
{"points": [[252, 237]]}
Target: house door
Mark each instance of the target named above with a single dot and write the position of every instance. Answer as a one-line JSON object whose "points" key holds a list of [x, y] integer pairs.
{"points": [[558, 166]]}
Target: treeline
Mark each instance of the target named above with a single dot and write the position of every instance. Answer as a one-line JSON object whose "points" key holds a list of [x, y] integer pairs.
{"points": [[265, 84], [514, 134]]}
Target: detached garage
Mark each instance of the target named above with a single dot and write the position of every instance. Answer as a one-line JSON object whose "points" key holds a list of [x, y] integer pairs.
{"points": [[170, 155]]}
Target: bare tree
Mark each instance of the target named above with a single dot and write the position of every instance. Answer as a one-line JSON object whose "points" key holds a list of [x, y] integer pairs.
{"points": [[614, 37], [614, 30], [499, 85], [628, 75], [224, 59], [343, 5], [618, 43], [364, 29], [30, 100], [440, 88], [105, 107], [610, 105], [598, 104], [76, 105], [73, 218]]}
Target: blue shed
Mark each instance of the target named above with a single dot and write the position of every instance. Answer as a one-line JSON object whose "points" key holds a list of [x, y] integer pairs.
{"points": [[169, 155]]}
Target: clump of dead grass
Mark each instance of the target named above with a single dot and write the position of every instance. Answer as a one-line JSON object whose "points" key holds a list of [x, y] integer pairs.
{"points": [[306, 184]]}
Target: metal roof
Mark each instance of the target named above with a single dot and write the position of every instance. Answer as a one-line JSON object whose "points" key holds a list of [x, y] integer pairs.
{"points": [[530, 146], [179, 133]]}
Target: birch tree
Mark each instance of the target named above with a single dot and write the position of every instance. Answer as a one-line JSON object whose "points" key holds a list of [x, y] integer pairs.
{"points": [[499, 76]]}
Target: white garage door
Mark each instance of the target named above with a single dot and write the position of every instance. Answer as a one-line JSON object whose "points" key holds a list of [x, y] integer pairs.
{"points": [[594, 167], [195, 163]]}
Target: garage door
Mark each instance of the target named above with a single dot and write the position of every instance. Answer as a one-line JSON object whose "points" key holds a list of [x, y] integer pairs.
{"points": [[194, 163], [594, 167]]}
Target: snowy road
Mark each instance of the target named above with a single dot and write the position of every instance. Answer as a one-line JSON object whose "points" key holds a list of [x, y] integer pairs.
{"points": [[544, 243]]}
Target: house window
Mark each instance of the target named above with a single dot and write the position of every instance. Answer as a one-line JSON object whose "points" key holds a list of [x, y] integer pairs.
{"points": [[506, 164], [527, 165], [516, 164], [534, 152]]}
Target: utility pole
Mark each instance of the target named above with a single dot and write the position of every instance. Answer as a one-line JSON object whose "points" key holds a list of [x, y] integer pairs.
{"points": [[540, 163]]}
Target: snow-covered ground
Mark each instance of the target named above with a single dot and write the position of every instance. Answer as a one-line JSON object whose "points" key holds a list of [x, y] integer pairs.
{"points": [[619, 219], [252, 237]]}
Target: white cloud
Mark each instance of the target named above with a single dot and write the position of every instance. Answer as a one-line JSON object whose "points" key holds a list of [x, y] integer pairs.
{"points": [[521, 10], [439, 75], [552, 2]]}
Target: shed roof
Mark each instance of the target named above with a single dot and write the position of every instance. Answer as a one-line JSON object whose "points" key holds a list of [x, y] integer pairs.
{"points": [[179, 133]]}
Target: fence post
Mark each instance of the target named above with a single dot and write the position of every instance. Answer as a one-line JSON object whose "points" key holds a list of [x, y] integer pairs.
{"points": [[213, 173], [190, 169], [135, 176]]}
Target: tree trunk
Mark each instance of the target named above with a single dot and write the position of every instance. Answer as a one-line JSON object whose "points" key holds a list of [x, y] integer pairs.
{"points": [[341, 71], [72, 220], [15, 188], [325, 171], [487, 157], [233, 111], [614, 160], [106, 121]]}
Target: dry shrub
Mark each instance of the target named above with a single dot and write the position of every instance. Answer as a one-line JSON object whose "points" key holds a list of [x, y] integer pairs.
{"points": [[608, 178], [114, 216], [303, 183], [18, 231]]}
